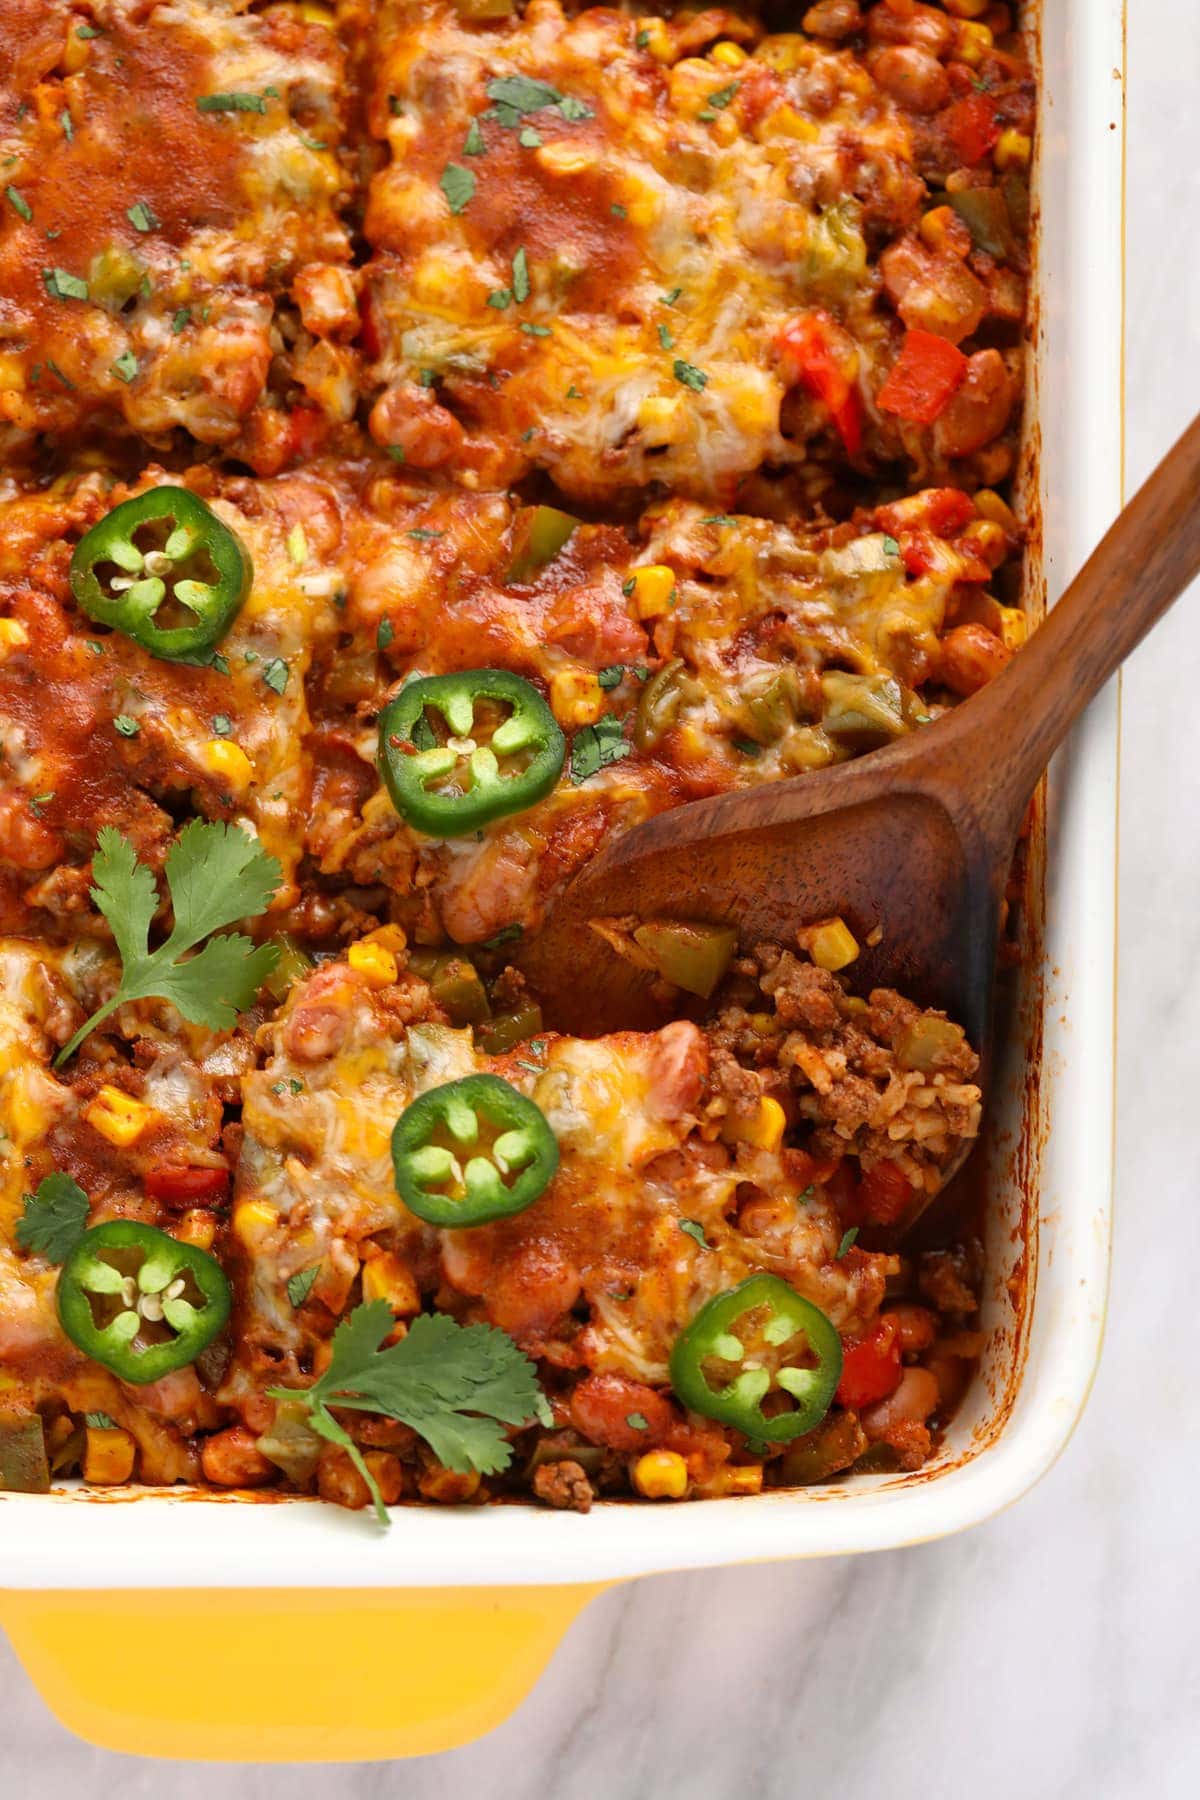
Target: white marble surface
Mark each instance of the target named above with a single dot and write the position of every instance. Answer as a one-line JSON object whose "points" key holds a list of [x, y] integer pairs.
{"points": [[1055, 1652]]}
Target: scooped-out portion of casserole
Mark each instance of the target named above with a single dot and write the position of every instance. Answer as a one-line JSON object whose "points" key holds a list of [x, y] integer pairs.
{"points": [[434, 439]]}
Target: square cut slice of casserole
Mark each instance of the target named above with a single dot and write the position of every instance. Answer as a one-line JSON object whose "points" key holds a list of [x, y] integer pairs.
{"points": [[628, 251], [171, 172]]}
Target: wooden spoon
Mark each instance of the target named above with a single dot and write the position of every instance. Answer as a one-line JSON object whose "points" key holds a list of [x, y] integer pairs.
{"points": [[912, 844]]}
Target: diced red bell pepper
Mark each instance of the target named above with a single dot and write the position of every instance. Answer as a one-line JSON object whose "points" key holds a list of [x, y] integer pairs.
{"points": [[808, 348], [972, 126], [923, 379], [884, 1193], [871, 1367], [178, 1186]]}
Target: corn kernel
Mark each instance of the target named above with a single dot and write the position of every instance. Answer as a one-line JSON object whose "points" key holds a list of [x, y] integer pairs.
{"points": [[973, 40], [935, 227], [388, 1277], [653, 589], [661, 1475], [725, 129], [254, 1221], [1013, 150], [374, 962], [831, 944], [1014, 626], [990, 506], [989, 540], [576, 697], [728, 55], [12, 373], [655, 39], [763, 1129], [108, 1456], [314, 14], [566, 158], [197, 1227], [785, 121], [13, 636], [966, 9], [659, 418], [447, 1486], [741, 1478], [75, 52], [392, 937], [118, 1117], [230, 763]]}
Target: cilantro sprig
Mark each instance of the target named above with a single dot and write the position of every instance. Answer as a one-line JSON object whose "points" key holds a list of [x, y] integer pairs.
{"points": [[216, 874], [455, 1385], [54, 1218]]}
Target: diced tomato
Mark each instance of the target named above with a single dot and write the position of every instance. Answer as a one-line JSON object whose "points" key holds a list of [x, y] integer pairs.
{"points": [[307, 429], [923, 379], [884, 1193], [871, 1367], [972, 126], [944, 511], [809, 347], [181, 1187]]}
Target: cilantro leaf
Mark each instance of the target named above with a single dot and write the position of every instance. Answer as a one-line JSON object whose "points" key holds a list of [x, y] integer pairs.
{"points": [[455, 1385], [593, 748], [55, 1218], [520, 275], [99, 1421], [690, 375], [216, 874], [522, 93], [458, 185], [299, 1285], [473, 144], [142, 217], [848, 1240], [694, 1229]]}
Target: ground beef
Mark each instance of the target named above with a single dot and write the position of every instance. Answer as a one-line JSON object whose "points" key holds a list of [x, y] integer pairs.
{"points": [[564, 1485]]}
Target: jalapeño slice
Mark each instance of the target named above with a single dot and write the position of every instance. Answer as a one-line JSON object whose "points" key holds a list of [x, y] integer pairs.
{"points": [[760, 1338], [458, 751], [164, 570], [472, 1151], [135, 1299]]}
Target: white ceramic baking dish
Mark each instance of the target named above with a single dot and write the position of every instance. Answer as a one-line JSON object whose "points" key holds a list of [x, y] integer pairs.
{"points": [[195, 1626]]}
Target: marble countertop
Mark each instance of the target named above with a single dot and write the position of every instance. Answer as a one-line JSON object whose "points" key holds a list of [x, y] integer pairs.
{"points": [[1054, 1651]]}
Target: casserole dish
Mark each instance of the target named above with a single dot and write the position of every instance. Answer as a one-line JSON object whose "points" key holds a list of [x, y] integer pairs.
{"points": [[237, 1589]]}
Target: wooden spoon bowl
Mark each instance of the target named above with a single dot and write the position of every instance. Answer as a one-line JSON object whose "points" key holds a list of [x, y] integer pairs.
{"points": [[912, 844]]}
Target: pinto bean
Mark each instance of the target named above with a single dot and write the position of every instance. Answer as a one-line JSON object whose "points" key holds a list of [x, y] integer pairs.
{"points": [[916, 1397], [409, 418], [529, 1292], [915, 1326], [833, 18], [900, 22], [980, 409], [602, 1405], [971, 657], [913, 78], [232, 1459], [934, 291]]}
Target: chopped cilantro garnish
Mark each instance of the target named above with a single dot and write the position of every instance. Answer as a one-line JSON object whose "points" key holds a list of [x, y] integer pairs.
{"points": [[427, 378], [126, 366], [219, 103], [718, 519], [89, 31], [520, 276], [68, 127], [534, 330], [19, 203], [672, 297], [847, 1240], [642, 39], [890, 547], [723, 96], [500, 298], [384, 634], [275, 674], [63, 285], [690, 375], [423, 535], [746, 746], [665, 338], [522, 93], [222, 724], [473, 144], [612, 676], [573, 109], [529, 138], [127, 726], [596, 746], [300, 1285], [617, 210], [458, 185], [637, 1421], [508, 934], [142, 217], [694, 1229], [182, 318]]}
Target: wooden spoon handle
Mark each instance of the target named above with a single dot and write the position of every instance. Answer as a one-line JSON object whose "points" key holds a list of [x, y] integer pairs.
{"points": [[1140, 567]]}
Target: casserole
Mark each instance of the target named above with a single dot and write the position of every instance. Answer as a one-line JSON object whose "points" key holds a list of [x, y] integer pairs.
{"points": [[79, 1575]]}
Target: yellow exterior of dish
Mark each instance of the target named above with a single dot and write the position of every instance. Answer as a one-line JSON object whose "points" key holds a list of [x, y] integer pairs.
{"points": [[245, 1675]]}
